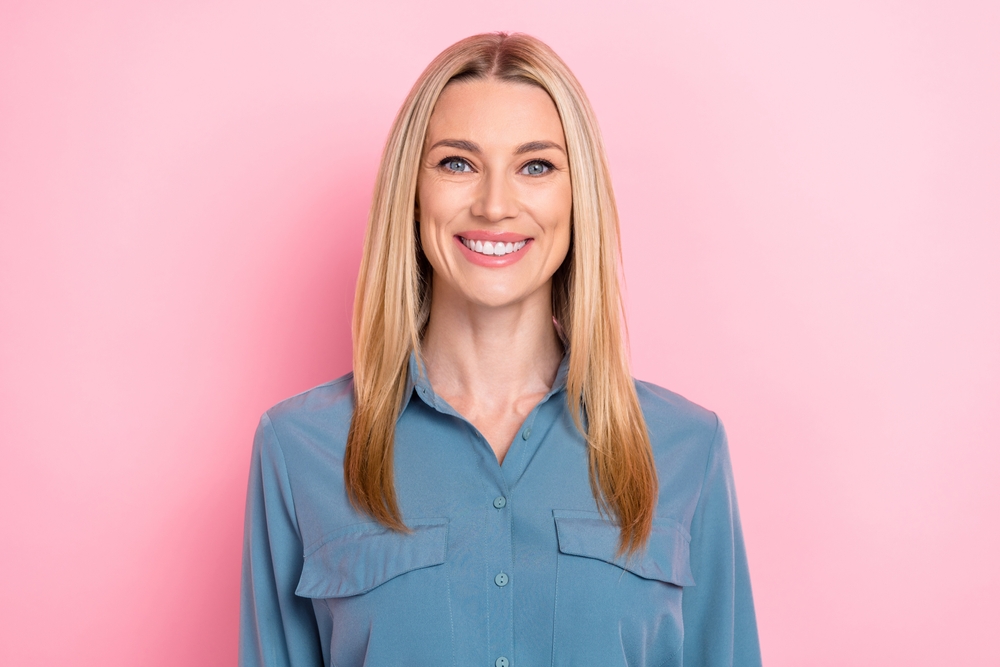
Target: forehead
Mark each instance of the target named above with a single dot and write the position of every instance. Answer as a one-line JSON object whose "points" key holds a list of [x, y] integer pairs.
{"points": [[495, 112]]}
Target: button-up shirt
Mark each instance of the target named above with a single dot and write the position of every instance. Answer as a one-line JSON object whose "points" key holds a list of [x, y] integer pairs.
{"points": [[506, 565]]}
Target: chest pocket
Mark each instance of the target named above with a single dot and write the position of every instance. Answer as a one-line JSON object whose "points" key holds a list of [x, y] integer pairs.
{"points": [[367, 581], [365, 556], [666, 559], [618, 611]]}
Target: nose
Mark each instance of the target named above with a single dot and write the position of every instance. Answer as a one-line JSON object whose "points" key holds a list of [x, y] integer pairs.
{"points": [[496, 199]]}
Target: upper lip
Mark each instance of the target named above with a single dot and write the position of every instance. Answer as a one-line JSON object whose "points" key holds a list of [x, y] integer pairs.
{"points": [[485, 235]]}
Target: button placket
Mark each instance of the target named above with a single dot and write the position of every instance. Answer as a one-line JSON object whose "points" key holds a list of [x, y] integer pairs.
{"points": [[500, 601]]}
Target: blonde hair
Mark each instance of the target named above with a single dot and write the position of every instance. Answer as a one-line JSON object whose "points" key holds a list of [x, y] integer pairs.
{"points": [[392, 302]]}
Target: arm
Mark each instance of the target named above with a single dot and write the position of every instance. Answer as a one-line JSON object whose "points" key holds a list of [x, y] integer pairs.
{"points": [[720, 629], [277, 629]]}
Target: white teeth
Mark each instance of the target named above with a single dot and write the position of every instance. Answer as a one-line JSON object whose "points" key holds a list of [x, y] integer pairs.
{"points": [[489, 248]]}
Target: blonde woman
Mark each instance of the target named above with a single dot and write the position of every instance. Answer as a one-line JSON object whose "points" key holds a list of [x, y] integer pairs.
{"points": [[490, 487]]}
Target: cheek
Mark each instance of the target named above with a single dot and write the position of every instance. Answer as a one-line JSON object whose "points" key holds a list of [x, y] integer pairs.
{"points": [[439, 199], [430, 243], [562, 242], [562, 227], [550, 205], [428, 216]]}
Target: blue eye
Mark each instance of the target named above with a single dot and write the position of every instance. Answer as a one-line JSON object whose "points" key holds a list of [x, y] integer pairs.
{"points": [[536, 168], [455, 164]]}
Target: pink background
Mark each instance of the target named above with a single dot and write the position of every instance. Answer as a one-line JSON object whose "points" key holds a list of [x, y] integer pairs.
{"points": [[810, 194]]}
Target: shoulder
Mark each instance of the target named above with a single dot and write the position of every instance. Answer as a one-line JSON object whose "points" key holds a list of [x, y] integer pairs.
{"points": [[683, 435], [318, 417], [669, 413], [307, 435]]}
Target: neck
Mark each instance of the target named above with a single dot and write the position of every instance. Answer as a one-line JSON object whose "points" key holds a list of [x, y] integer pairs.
{"points": [[491, 356]]}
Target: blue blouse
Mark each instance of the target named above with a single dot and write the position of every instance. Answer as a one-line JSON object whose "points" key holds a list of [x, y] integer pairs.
{"points": [[506, 565]]}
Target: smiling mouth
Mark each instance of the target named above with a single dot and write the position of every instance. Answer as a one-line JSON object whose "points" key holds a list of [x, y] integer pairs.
{"points": [[496, 248]]}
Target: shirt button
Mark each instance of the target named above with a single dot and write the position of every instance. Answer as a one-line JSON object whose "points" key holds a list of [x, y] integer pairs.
{"points": [[499, 502], [501, 579], [502, 662], [526, 433]]}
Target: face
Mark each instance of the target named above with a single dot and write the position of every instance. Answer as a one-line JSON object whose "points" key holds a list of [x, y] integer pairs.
{"points": [[494, 196]]}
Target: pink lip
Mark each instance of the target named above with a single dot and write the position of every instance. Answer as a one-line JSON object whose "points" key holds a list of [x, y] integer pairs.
{"points": [[484, 235], [492, 261]]}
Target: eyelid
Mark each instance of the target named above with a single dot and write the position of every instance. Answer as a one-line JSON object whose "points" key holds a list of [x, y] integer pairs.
{"points": [[456, 158], [549, 165]]}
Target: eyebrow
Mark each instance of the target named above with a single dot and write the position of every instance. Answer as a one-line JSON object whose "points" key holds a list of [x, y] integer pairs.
{"points": [[473, 147], [537, 146], [460, 144]]}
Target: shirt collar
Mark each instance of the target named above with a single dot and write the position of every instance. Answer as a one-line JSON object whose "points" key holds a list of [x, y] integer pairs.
{"points": [[416, 381]]}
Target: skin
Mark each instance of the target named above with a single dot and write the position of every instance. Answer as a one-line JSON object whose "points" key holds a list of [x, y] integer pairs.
{"points": [[494, 160]]}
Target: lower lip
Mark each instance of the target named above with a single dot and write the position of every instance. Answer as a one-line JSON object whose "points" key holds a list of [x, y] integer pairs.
{"points": [[492, 261]]}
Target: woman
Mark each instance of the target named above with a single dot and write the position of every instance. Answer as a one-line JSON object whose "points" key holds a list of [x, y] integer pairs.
{"points": [[490, 486]]}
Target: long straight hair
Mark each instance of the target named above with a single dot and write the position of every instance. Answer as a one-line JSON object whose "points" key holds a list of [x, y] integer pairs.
{"points": [[392, 301]]}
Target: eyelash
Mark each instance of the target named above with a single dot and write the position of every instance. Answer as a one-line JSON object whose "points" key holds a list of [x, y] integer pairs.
{"points": [[454, 158], [548, 165]]}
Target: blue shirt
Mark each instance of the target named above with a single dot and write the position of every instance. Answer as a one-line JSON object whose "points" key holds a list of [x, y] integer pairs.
{"points": [[507, 565]]}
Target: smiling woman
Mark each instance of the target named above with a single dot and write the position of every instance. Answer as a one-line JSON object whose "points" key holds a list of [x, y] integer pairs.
{"points": [[508, 187], [490, 486]]}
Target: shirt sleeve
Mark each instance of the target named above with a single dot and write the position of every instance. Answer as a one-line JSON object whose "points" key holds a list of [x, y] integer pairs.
{"points": [[277, 628], [720, 628]]}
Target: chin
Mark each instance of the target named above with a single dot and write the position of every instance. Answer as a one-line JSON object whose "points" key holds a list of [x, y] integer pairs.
{"points": [[495, 298]]}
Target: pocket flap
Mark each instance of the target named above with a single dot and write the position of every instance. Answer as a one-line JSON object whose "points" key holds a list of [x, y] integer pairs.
{"points": [[667, 556], [364, 556]]}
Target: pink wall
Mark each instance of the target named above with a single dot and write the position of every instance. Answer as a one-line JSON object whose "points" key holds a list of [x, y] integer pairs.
{"points": [[811, 204]]}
